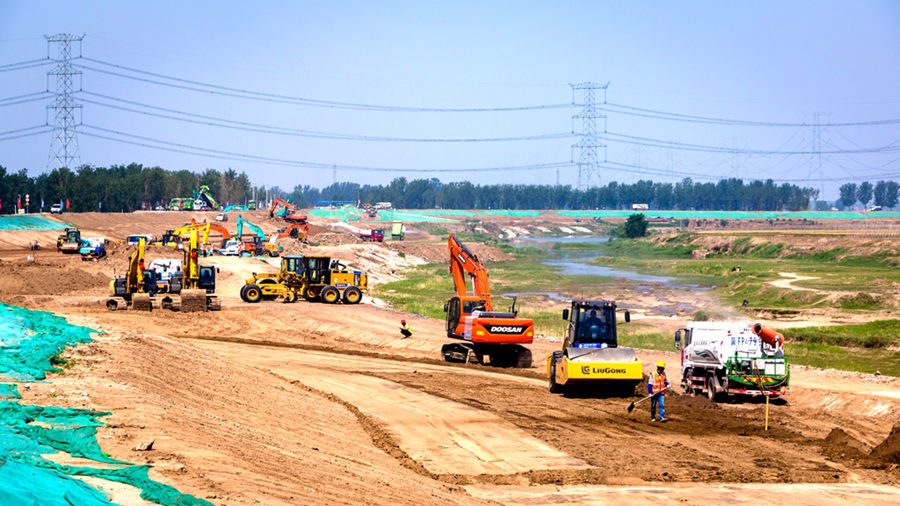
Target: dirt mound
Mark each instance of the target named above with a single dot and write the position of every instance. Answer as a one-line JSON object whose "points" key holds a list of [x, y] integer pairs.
{"points": [[329, 238], [437, 252], [839, 445], [889, 449], [44, 278]]}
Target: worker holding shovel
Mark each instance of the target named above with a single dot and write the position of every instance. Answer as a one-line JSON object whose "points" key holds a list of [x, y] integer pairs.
{"points": [[656, 386], [405, 329]]}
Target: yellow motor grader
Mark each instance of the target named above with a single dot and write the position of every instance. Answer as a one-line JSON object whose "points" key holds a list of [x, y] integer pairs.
{"points": [[313, 277]]}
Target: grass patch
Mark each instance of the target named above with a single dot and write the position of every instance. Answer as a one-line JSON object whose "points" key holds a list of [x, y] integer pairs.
{"points": [[876, 334], [576, 246], [826, 356]]}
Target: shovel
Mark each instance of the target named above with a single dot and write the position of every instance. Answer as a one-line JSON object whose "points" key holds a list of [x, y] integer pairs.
{"points": [[633, 404]]}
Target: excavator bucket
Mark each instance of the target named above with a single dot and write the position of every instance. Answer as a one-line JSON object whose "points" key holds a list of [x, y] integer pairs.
{"points": [[193, 301]]}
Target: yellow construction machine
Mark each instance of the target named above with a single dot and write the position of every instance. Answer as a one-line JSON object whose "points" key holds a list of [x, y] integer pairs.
{"points": [[313, 277], [135, 287], [590, 356], [195, 284]]}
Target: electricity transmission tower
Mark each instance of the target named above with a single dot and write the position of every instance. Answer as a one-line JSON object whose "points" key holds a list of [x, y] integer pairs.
{"points": [[63, 143], [589, 161], [815, 165]]}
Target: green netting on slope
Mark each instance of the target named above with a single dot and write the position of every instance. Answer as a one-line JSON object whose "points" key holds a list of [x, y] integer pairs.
{"points": [[334, 213], [512, 213], [30, 222], [9, 391], [29, 339], [730, 215], [413, 217]]}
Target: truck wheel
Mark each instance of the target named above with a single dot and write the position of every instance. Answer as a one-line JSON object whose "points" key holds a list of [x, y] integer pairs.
{"points": [[253, 293], [352, 295], [711, 388], [555, 388], [330, 294], [290, 297], [686, 385], [309, 294], [244, 293]]}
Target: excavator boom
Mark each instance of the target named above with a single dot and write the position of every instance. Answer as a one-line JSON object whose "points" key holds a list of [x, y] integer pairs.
{"points": [[462, 262]]}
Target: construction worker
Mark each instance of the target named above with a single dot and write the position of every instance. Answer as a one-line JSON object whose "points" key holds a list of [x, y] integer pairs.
{"points": [[405, 329], [656, 388]]}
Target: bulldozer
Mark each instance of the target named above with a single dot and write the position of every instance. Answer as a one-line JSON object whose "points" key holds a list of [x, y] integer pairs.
{"points": [[313, 277], [590, 356]]}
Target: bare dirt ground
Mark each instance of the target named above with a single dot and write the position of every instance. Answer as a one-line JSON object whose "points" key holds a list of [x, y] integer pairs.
{"points": [[315, 404]]}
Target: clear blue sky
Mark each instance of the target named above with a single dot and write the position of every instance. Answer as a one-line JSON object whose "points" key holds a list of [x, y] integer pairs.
{"points": [[760, 61]]}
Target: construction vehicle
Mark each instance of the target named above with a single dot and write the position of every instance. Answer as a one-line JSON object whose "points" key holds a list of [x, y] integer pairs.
{"points": [[398, 230], [370, 210], [195, 283], [732, 358], [497, 335], [591, 356], [207, 198], [132, 240], [288, 214], [299, 231], [95, 249], [71, 241], [251, 205], [313, 277], [257, 245], [374, 235], [287, 282], [135, 287], [164, 269]]}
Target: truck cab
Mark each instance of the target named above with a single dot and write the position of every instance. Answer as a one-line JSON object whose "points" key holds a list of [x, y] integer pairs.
{"points": [[591, 354]]}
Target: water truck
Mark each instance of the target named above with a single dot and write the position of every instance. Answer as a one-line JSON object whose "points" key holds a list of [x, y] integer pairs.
{"points": [[732, 358]]}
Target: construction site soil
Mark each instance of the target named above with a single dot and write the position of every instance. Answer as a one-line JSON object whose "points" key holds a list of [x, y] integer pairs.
{"points": [[318, 404]]}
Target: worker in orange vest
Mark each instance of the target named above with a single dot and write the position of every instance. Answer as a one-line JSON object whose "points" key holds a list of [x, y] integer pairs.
{"points": [[656, 388]]}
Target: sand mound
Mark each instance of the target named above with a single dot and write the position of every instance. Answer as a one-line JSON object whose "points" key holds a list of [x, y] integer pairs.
{"points": [[44, 278], [839, 445], [889, 449]]}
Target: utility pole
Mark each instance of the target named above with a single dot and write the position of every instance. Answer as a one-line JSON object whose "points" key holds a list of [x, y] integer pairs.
{"points": [[815, 164], [64, 143], [334, 175], [589, 161], [557, 176]]}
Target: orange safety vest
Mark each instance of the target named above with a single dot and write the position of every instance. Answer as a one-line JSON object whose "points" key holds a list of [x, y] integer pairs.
{"points": [[657, 381]]}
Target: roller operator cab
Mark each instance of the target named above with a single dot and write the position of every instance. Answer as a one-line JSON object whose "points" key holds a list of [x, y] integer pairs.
{"points": [[590, 354]]}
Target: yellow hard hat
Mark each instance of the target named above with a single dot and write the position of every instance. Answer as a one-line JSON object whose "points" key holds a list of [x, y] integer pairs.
{"points": [[661, 364]]}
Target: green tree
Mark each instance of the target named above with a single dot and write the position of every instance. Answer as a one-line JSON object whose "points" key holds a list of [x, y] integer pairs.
{"points": [[635, 226], [891, 194], [864, 193], [848, 194]]}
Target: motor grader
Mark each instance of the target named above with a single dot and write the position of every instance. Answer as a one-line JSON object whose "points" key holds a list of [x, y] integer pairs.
{"points": [[313, 277]]}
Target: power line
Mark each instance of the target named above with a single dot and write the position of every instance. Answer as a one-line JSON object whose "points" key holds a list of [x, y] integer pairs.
{"points": [[256, 95], [270, 129], [35, 99], [25, 96], [228, 155], [28, 64], [671, 116], [659, 143], [39, 132], [664, 172]]}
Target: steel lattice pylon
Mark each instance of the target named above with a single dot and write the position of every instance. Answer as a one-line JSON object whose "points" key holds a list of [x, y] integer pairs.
{"points": [[63, 143], [589, 161]]}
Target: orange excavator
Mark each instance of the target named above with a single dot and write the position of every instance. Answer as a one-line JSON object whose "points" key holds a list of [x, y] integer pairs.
{"points": [[498, 335], [289, 214], [299, 231]]}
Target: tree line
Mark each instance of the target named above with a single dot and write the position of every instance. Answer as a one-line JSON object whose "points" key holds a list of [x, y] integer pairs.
{"points": [[117, 188], [885, 193], [726, 195], [132, 187]]}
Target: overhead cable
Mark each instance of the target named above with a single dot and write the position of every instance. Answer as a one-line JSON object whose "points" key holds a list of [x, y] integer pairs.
{"points": [[272, 97], [39, 132], [30, 63], [227, 155], [659, 143], [270, 129], [671, 116]]}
